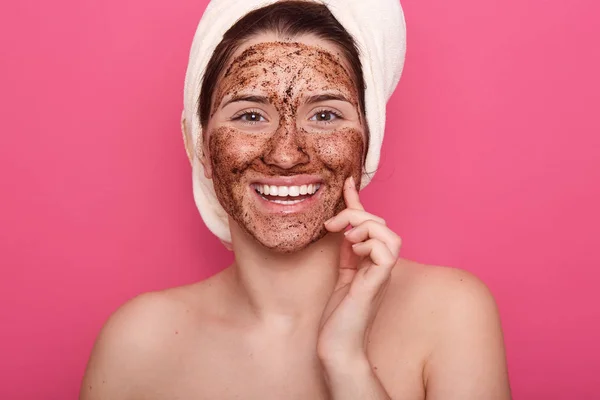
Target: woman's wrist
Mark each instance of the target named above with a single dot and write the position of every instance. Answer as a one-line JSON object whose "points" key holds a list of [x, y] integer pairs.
{"points": [[346, 364], [353, 378]]}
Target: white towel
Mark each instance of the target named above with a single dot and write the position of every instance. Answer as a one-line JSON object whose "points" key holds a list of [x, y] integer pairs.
{"points": [[377, 26]]}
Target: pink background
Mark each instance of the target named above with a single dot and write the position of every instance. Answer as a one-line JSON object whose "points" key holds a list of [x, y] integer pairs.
{"points": [[491, 164]]}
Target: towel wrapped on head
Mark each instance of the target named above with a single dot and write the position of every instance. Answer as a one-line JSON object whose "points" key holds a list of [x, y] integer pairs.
{"points": [[379, 30]]}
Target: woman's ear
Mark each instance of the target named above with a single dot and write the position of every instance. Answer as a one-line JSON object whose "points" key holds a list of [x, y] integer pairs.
{"points": [[204, 158], [197, 150], [203, 155], [189, 150]]}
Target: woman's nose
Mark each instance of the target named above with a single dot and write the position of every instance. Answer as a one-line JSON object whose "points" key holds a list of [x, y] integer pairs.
{"points": [[285, 149]]}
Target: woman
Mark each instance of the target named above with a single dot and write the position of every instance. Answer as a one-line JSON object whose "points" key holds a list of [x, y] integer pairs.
{"points": [[309, 309]]}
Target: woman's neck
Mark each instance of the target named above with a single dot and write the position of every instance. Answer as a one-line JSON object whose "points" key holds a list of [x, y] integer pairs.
{"points": [[284, 290]]}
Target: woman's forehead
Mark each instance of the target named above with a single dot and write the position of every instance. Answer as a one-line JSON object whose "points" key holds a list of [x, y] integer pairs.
{"points": [[302, 50], [288, 70], [269, 62]]}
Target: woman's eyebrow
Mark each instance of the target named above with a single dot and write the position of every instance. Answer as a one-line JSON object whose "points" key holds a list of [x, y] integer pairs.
{"points": [[254, 99], [265, 100], [325, 97]]}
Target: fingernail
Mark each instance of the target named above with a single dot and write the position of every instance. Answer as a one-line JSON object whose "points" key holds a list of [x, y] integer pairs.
{"points": [[329, 220], [353, 183], [348, 231]]}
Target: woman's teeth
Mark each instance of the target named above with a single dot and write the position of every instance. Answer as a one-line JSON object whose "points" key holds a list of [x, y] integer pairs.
{"points": [[287, 191]]}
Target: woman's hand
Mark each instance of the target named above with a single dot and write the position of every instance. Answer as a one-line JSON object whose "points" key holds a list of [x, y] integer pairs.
{"points": [[369, 252]]}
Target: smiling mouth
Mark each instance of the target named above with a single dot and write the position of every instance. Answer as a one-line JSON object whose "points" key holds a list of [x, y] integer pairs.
{"points": [[286, 195]]}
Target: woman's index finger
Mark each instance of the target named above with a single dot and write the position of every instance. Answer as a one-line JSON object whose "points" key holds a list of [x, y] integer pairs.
{"points": [[351, 195]]}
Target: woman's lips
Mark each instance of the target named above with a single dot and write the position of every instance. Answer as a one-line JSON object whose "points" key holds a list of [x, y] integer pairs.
{"points": [[286, 199], [295, 180]]}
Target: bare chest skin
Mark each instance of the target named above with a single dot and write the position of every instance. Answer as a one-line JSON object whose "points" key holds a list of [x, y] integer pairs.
{"points": [[214, 358]]}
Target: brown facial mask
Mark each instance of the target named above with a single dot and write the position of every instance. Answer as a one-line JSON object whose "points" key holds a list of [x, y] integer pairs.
{"points": [[284, 137]]}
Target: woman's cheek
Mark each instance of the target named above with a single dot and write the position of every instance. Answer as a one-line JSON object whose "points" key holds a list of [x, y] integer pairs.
{"points": [[342, 151], [231, 150], [231, 153]]}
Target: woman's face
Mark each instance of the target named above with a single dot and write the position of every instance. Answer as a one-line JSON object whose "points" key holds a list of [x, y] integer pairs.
{"points": [[285, 132]]}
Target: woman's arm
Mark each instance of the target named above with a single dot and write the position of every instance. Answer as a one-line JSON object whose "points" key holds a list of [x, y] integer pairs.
{"points": [[467, 362], [367, 258]]}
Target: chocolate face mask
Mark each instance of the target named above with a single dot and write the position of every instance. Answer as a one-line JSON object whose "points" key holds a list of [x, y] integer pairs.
{"points": [[284, 134]]}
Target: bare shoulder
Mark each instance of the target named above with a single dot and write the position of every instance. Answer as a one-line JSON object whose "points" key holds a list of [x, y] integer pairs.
{"points": [[457, 320], [439, 286], [444, 298], [130, 350]]}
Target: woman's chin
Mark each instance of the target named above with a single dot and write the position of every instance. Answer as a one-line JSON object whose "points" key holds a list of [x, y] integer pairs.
{"points": [[289, 240]]}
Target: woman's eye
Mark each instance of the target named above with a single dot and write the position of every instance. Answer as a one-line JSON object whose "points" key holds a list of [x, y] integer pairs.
{"points": [[250, 117], [325, 116]]}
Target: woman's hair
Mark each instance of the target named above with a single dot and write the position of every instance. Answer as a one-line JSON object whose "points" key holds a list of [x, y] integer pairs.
{"points": [[288, 18]]}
